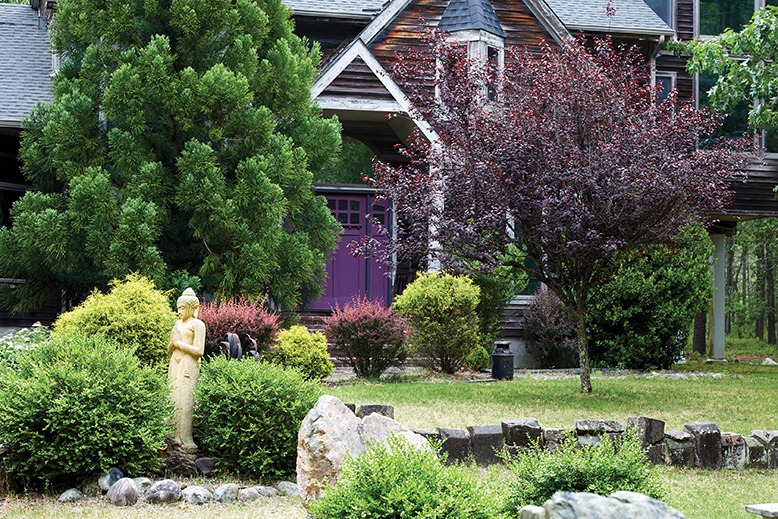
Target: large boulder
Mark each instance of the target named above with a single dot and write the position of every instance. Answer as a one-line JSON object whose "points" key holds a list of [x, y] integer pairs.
{"points": [[328, 435], [583, 505], [331, 433]]}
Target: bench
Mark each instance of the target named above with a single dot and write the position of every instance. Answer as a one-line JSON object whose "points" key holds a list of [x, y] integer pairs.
{"points": [[765, 510]]}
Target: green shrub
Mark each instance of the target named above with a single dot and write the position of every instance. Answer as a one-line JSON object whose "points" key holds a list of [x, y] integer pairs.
{"points": [[400, 482], [133, 314], [304, 351], [551, 332], [640, 319], [13, 343], [497, 289], [78, 406], [479, 359], [248, 415], [370, 335], [601, 469], [441, 311]]}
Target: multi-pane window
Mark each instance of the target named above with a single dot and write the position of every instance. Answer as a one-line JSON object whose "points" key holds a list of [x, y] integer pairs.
{"points": [[717, 15]]}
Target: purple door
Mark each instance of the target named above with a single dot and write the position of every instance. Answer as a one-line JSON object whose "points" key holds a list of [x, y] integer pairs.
{"points": [[349, 275]]}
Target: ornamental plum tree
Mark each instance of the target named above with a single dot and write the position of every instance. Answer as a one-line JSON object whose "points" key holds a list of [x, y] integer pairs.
{"points": [[554, 165], [180, 144]]}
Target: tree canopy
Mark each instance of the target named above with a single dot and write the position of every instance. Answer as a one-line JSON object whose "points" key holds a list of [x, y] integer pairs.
{"points": [[181, 145], [565, 159]]}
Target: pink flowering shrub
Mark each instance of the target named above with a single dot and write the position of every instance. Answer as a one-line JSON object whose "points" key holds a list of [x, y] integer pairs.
{"points": [[248, 319], [370, 335]]}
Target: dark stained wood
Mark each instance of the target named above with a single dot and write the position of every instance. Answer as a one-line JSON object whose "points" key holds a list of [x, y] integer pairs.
{"points": [[357, 81], [331, 33], [684, 21], [684, 82], [754, 196]]}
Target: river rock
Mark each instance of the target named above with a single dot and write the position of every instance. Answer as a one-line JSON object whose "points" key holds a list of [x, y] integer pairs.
{"points": [[70, 496], [196, 495], [248, 494], [143, 484], [123, 493], [265, 491], [287, 488], [226, 493], [165, 491], [107, 480], [583, 505]]}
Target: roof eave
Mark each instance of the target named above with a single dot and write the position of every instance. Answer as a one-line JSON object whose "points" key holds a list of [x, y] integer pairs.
{"points": [[10, 123], [634, 31], [332, 14]]}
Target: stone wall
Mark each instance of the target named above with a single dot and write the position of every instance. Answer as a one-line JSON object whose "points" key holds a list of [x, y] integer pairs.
{"points": [[699, 444]]}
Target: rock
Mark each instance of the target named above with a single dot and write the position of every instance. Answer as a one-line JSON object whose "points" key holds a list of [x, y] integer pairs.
{"points": [[588, 440], [649, 430], [248, 494], [487, 444], [455, 444], [165, 491], [107, 480], [176, 461], [429, 435], [756, 453], [522, 433], [328, 435], [598, 427], [656, 454], [266, 491], [226, 493], [769, 362], [142, 484], [205, 465], [123, 493], [680, 449], [196, 495], [376, 428], [70, 496], [706, 439], [770, 440], [620, 505], [553, 438], [366, 410], [733, 451], [287, 488]]}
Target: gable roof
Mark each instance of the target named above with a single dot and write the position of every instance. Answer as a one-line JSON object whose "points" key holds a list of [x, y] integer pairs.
{"points": [[354, 9], [464, 15], [25, 63], [632, 17]]}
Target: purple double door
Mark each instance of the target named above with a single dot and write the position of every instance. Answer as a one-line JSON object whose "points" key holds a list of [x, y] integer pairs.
{"points": [[349, 275]]}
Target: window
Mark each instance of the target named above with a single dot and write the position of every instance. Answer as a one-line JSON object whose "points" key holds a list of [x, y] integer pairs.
{"points": [[667, 81], [664, 9], [717, 15]]}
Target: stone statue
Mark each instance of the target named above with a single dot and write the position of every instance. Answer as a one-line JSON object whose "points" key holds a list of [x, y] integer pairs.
{"points": [[187, 345]]}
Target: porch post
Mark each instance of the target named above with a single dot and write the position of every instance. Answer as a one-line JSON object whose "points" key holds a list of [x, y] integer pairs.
{"points": [[719, 295]]}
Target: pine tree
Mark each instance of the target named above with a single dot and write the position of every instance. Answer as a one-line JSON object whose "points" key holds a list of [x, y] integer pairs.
{"points": [[180, 145]]}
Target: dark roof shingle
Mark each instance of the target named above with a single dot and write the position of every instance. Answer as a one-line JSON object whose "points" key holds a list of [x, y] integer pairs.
{"points": [[463, 15]]}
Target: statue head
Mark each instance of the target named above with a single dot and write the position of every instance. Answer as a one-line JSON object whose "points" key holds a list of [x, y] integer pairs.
{"points": [[188, 304]]}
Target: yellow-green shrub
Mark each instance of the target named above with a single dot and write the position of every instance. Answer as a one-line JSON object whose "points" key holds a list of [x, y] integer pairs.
{"points": [[133, 314], [307, 352]]}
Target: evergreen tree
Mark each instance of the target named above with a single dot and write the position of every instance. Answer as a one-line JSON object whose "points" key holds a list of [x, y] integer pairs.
{"points": [[180, 145]]}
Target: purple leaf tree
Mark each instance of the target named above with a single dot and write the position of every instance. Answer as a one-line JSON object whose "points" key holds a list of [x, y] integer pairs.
{"points": [[555, 165]]}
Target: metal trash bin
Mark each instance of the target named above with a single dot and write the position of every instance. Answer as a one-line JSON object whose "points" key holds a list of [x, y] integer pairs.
{"points": [[502, 361]]}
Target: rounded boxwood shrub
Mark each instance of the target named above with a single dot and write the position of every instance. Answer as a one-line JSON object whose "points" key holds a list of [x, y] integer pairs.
{"points": [[77, 406], [370, 335], [603, 469], [304, 351], [397, 481], [133, 314], [12, 344], [248, 415], [441, 309]]}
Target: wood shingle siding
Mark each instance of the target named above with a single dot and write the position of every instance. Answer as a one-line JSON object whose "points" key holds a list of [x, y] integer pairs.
{"points": [[755, 196], [358, 80], [684, 25]]}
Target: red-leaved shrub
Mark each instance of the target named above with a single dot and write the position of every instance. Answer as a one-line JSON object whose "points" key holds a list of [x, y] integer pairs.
{"points": [[249, 319], [551, 331], [369, 334]]}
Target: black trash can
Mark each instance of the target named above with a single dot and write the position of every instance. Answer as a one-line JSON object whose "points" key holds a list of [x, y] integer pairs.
{"points": [[502, 361]]}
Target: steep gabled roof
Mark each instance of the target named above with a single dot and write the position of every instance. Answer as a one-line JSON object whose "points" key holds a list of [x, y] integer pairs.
{"points": [[631, 17], [354, 9], [465, 15], [25, 63]]}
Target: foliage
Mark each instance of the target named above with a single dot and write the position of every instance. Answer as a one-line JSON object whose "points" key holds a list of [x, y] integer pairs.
{"points": [[607, 170], [444, 325], [181, 142], [13, 343], [398, 481], [607, 467], [78, 406], [641, 318], [133, 314], [248, 415], [370, 335], [498, 287], [755, 78], [352, 167], [304, 351], [550, 331], [247, 318], [479, 359]]}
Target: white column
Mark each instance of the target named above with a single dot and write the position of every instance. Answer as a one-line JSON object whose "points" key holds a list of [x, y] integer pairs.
{"points": [[719, 295]]}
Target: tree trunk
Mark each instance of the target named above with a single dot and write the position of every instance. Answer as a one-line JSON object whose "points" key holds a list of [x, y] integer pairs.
{"points": [[583, 350], [770, 293], [760, 296], [700, 337]]}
